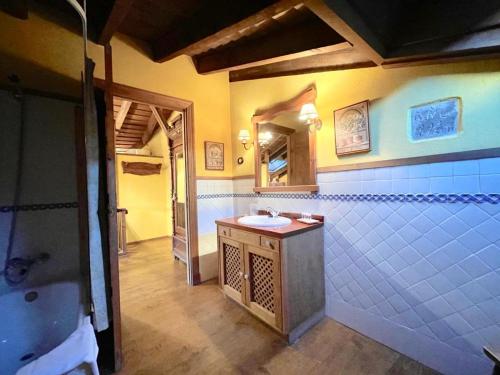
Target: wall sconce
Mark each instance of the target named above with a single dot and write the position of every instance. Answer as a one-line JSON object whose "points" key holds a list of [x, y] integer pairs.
{"points": [[310, 116], [244, 137]]}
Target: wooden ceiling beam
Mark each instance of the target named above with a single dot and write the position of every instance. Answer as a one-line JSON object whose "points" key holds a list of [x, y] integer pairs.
{"points": [[340, 60], [118, 13], [185, 42], [306, 39], [158, 115], [341, 17], [122, 113], [148, 134]]}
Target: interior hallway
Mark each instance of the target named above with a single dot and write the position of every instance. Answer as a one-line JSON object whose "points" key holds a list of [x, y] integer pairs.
{"points": [[170, 328]]}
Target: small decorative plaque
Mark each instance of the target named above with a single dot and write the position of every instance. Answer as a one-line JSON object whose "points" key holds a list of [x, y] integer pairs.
{"points": [[438, 119], [352, 129], [214, 156]]}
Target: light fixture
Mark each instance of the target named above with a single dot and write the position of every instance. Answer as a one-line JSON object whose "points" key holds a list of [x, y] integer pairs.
{"points": [[244, 137], [264, 138], [309, 115]]}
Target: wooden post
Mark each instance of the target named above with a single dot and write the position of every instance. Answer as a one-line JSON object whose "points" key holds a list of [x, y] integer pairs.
{"points": [[112, 219]]}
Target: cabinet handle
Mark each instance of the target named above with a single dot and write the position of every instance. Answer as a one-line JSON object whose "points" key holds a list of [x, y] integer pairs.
{"points": [[246, 277], [241, 274], [271, 245]]}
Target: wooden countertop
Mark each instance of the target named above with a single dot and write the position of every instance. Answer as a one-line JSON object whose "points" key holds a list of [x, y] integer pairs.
{"points": [[292, 229]]}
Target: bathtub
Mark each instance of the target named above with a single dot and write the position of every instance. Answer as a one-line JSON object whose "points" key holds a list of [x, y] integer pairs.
{"points": [[34, 321]]}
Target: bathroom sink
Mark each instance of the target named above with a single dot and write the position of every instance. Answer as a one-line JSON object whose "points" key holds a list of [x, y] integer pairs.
{"points": [[264, 221]]}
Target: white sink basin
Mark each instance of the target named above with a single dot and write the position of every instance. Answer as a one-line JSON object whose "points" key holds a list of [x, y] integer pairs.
{"points": [[264, 221]]}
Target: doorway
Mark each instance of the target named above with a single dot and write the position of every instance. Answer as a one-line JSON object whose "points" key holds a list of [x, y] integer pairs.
{"points": [[185, 108]]}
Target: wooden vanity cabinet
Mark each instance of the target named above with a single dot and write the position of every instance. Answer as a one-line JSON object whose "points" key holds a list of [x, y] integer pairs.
{"points": [[279, 280]]}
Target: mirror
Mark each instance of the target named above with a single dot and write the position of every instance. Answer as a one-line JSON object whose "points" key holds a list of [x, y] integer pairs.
{"points": [[285, 157], [284, 151]]}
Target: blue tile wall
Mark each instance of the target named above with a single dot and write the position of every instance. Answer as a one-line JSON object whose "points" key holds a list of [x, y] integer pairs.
{"points": [[413, 249]]}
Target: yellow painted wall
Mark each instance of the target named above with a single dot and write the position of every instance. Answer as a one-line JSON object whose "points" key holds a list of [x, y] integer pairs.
{"points": [[178, 77], [147, 200], [391, 92], [49, 57]]}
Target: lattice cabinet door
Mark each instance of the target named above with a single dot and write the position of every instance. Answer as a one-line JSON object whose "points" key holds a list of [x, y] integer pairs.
{"points": [[263, 284], [231, 264]]}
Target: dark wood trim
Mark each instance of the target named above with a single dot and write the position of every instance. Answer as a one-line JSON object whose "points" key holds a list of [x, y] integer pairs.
{"points": [[282, 189], [439, 158], [147, 97], [439, 59], [112, 221], [116, 17], [308, 95], [327, 62], [294, 228], [341, 17], [187, 108], [170, 46], [192, 209]]}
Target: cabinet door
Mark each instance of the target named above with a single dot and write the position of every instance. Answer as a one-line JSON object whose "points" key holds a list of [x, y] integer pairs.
{"points": [[263, 284], [231, 266]]}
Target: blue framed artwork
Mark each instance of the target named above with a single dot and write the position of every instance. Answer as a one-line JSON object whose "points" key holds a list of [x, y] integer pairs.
{"points": [[435, 120]]}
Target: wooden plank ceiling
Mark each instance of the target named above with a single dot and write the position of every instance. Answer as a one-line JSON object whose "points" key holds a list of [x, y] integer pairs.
{"points": [[135, 123], [265, 38]]}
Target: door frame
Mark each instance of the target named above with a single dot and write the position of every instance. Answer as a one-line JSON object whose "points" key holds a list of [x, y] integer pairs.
{"points": [[186, 107]]}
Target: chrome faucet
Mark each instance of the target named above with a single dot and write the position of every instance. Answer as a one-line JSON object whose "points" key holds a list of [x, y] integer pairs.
{"points": [[272, 212]]}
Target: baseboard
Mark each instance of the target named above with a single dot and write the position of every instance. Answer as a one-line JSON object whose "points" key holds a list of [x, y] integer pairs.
{"points": [[148, 240], [432, 353]]}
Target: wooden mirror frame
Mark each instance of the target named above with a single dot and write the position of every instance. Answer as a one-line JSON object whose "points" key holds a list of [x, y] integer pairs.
{"points": [[308, 95]]}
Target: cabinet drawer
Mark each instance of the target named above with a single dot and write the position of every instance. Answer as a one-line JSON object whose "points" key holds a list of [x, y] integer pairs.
{"points": [[245, 237], [269, 243], [224, 231]]}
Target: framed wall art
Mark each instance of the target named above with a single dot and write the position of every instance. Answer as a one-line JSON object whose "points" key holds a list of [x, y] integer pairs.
{"points": [[437, 119], [214, 156], [352, 129]]}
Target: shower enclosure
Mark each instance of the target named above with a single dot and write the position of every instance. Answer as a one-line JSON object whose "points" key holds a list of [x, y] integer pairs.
{"points": [[41, 285]]}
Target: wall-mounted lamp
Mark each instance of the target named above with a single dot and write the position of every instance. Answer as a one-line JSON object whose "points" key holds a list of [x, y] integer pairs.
{"points": [[244, 137], [310, 116]]}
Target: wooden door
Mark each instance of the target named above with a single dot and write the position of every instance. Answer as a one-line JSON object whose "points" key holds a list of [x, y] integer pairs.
{"points": [[263, 284], [231, 269]]}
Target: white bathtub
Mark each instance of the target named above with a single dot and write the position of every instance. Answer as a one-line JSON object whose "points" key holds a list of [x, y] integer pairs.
{"points": [[31, 329]]}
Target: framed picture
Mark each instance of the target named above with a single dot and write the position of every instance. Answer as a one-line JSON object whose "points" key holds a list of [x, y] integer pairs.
{"points": [[214, 156], [352, 129]]}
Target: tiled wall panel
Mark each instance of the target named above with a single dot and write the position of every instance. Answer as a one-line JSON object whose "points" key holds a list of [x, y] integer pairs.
{"points": [[412, 255]]}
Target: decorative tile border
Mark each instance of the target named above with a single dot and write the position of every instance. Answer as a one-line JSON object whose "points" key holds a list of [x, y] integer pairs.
{"points": [[39, 207], [429, 198]]}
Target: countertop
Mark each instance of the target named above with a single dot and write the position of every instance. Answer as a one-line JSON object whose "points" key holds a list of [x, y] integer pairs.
{"points": [[292, 229]]}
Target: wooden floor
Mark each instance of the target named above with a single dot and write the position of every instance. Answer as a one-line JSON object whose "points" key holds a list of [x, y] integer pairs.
{"points": [[170, 328]]}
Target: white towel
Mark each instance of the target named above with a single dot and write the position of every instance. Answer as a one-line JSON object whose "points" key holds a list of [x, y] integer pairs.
{"points": [[80, 347]]}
